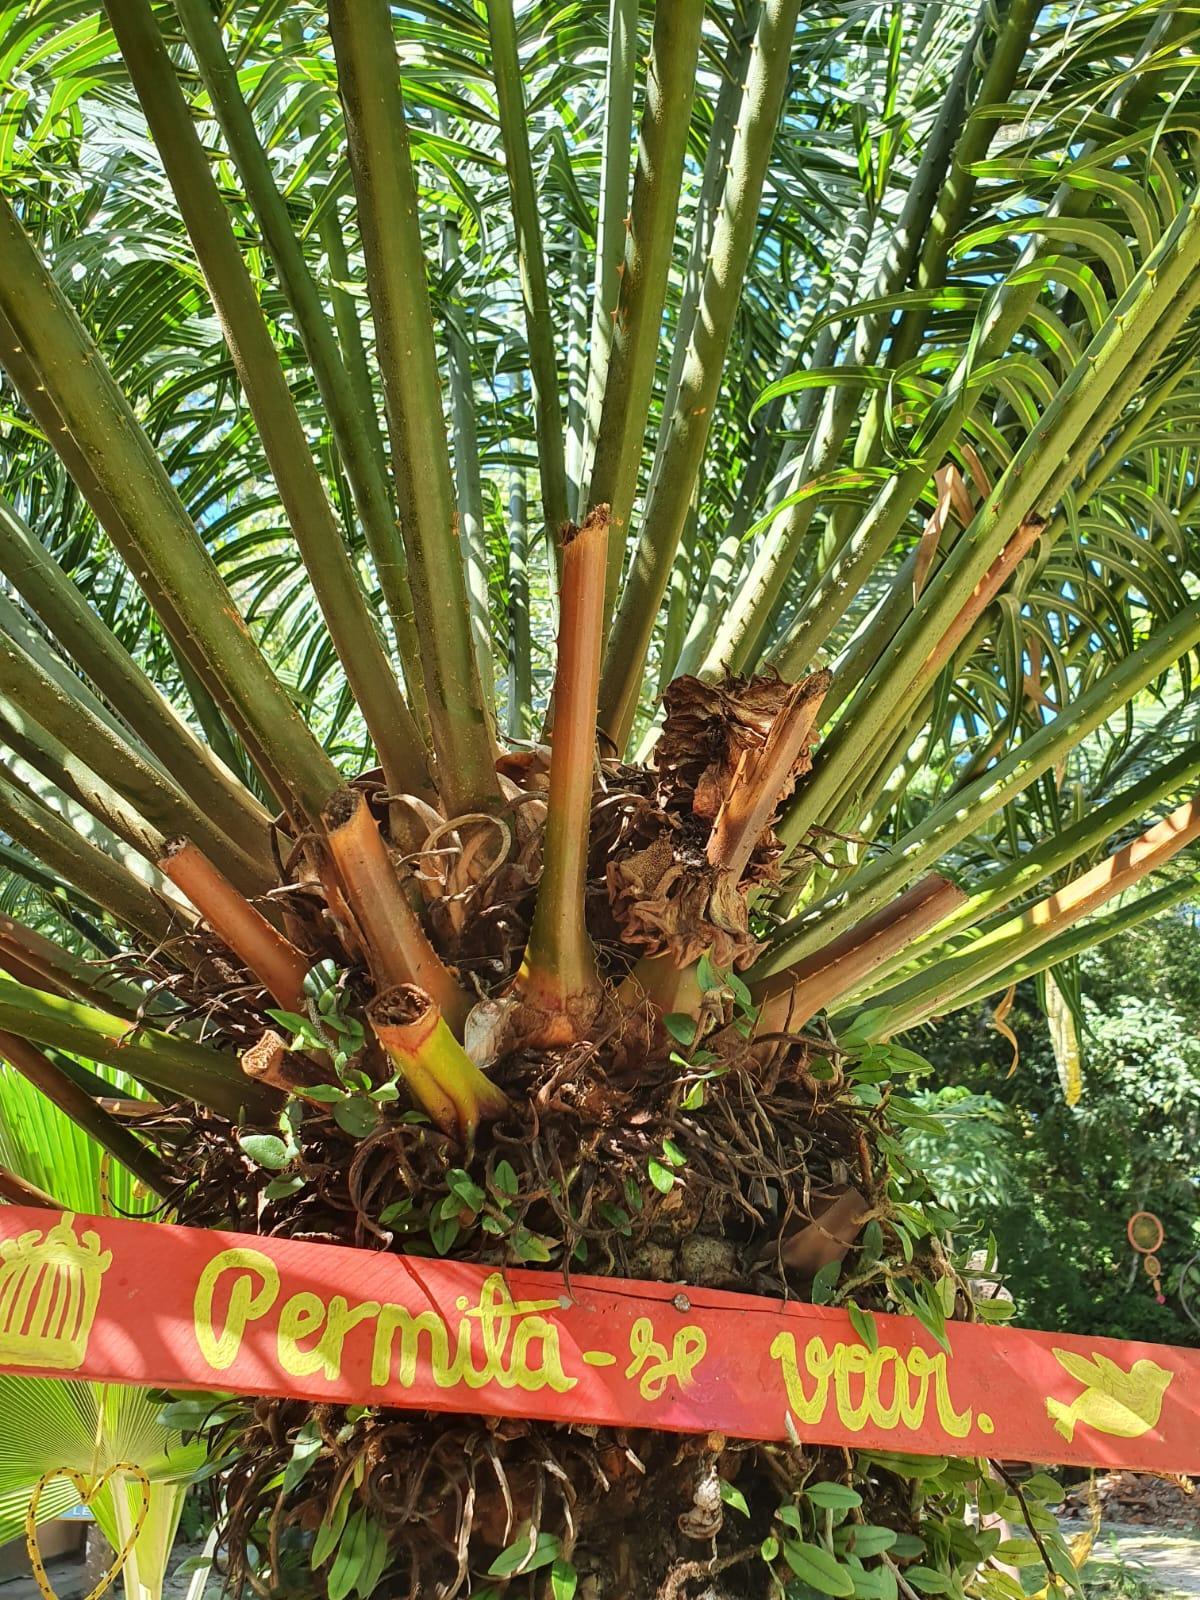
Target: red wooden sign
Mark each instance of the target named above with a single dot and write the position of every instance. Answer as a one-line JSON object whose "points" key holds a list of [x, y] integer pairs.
{"points": [[184, 1308]]}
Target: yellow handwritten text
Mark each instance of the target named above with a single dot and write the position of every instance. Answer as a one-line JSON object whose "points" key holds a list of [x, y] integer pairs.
{"points": [[655, 1367], [860, 1377], [497, 1340], [247, 1302]]}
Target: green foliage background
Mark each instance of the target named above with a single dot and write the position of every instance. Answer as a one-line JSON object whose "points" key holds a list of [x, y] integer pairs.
{"points": [[1058, 1185]]}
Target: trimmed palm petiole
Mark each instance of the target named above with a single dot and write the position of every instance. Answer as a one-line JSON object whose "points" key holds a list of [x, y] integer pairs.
{"points": [[268, 1061], [440, 1076], [790, 998], [558, 978], [398, 949], [277, 964], [937, 990]]}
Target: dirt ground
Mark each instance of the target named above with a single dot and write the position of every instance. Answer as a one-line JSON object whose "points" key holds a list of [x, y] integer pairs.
{"points": [[1170, 1560]]}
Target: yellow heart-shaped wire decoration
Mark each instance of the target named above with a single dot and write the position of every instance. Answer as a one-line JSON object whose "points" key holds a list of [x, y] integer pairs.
{"points": [[87, 1493]]}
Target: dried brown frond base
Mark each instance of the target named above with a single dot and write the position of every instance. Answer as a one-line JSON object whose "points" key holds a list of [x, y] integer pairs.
{"points": [[721, 1161], [638, 1514], [761, 1148]]}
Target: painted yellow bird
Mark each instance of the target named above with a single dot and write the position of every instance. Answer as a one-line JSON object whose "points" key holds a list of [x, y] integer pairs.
{"points": [[1126, 1404]]}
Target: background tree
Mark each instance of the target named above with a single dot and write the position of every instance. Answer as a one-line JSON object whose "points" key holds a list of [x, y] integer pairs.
{"points": [[825, 384], [1058, 1183]]}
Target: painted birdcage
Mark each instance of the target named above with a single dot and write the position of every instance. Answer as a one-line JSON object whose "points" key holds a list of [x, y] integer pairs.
{"points": [[49, 1291]]}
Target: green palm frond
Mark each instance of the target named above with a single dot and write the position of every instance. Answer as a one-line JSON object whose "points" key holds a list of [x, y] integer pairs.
{"points": [[966, 244]]}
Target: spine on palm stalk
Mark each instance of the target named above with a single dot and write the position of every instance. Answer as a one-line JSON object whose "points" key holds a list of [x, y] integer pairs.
{"points": [[873, 446]]}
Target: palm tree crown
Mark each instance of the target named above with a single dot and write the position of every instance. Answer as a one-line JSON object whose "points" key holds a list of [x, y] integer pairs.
{"points": [[572, 571]]}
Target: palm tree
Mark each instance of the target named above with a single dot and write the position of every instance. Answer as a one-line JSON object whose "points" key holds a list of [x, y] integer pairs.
{"points": [[824, 385]]}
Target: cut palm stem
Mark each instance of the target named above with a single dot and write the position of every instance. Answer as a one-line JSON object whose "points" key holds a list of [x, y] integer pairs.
{"points": [[398, 948], [558, 976], [441, 1077], [269, 1061], [791, 998], [78, 1105], [277, 964]]}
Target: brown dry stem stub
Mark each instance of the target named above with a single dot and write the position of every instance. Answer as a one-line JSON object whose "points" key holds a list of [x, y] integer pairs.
{"points": [[568, 1165], [666, 892], [405, 1007], [269, 1061], [598, 517], [340, 808]]}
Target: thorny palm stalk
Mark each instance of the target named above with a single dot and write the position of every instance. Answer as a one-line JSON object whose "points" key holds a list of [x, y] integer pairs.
{"points": [[887, 384]]}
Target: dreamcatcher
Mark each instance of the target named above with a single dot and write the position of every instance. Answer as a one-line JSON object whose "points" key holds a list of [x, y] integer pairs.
{"points": [[1146, 1235]]}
